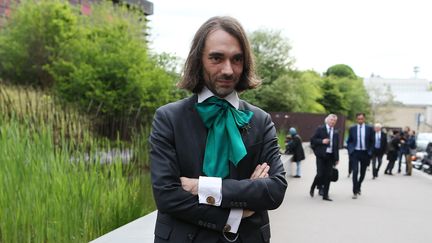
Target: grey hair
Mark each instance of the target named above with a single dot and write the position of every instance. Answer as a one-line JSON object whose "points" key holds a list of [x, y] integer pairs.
{"points": [[330, 116], [378, 125]]}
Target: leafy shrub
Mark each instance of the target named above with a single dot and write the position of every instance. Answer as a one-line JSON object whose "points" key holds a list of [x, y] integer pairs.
{"points": [[30, 40], [106, 70]]}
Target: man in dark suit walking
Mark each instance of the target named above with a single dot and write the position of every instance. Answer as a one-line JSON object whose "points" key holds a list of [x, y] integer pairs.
{"points": [[360, 143], [215, 161], [325, 145], [379, 149]]}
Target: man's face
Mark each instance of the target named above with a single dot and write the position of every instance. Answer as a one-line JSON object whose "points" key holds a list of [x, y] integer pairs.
{"points": [[222, 62], [360, 119], [331, 121]]}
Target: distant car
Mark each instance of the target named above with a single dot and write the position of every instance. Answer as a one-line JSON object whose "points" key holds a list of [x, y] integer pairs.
{"points": [[422, 141]]}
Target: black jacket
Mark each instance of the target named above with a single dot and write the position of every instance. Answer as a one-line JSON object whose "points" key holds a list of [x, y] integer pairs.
{"points": [[320, 149], [178, 141]]}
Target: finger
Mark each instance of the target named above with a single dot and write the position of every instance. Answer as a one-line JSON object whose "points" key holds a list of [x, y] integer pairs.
{"points": [[262, 169], [265, 171], [256, 172]]}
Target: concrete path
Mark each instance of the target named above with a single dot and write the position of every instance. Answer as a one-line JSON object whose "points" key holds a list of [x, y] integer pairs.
{"points": [[391, 209]]}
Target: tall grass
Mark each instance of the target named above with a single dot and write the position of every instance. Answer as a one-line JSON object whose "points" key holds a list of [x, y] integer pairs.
{"points": [[52, 191]]}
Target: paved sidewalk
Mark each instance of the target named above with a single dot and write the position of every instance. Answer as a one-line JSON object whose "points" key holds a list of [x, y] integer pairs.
{"points": [[391, 208]]}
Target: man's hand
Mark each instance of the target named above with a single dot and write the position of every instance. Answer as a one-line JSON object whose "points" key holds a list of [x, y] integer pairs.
{"points": [[326, 141], [189, 185], [247, 213], [261, 171], [337, 162]]}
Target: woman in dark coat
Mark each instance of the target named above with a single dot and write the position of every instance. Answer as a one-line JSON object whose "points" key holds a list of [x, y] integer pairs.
{"points": [[392, 153], [294, 147]]}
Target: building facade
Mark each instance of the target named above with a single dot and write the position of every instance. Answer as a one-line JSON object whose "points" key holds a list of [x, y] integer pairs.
{"points": [[401, 102]]}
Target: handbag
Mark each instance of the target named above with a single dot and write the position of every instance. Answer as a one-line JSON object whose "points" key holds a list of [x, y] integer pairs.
{"points": [[334, 175]]}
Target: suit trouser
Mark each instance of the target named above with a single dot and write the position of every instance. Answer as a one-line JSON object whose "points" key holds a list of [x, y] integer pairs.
{"points": [[390, 166], [324, 170], [359, 157], [376, 164]]}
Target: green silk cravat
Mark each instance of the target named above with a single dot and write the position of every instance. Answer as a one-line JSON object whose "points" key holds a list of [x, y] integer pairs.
{"points": [[224, 142]]}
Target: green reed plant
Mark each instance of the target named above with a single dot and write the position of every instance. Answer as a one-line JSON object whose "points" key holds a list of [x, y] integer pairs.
{"points": [[54, 186], [51, 194]]}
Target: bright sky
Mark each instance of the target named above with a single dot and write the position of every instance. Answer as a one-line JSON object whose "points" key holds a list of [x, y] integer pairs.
{"points": [[384, 37]]}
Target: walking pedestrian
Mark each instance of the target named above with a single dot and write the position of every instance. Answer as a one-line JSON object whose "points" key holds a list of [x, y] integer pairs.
{"points": [[325, 145], [379, 149], [360, 144], [392, 152], [294, 146]]}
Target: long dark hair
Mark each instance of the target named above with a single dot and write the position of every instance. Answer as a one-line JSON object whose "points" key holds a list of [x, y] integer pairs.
{"points": [[193, 79]]}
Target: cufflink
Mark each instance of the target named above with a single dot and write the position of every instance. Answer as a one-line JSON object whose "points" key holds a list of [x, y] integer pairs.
{"points": [[227, 228], [210, 200]]}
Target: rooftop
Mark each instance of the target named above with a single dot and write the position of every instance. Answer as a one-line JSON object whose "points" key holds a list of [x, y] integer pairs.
{"points": [[417, 92]]}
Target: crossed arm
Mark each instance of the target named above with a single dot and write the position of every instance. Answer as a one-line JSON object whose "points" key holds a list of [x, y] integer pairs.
{"points": [[191, 184], [176, 195]]}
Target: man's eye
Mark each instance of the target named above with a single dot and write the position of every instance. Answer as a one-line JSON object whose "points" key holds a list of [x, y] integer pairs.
{"points": [[215, 59], [238, 59]]}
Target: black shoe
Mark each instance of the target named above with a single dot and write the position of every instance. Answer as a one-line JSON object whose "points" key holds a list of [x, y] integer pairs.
{"points": [[399, 171], [373, 178], [297, 176], [355, 196], [311, 192], [359, 193], [327, 199]]}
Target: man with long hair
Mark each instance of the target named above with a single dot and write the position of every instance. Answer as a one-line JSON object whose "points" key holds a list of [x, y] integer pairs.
{"points": [[215, 161]]}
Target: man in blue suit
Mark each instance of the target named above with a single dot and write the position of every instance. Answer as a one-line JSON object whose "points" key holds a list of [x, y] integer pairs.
{"points": [[360, 146]]}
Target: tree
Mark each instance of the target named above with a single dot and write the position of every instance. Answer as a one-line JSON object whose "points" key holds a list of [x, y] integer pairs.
{"points": [[106, 70], [341, 71], [344, 92], [30, 40], [272, 53], [332, 98]]}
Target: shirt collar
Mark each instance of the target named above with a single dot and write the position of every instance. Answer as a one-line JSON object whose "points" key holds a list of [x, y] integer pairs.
{"points": [[232, 98]]}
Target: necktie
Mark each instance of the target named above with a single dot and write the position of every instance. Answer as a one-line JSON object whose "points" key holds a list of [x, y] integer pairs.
{"points": [[224, 142], [331, 137], [360, 137], [378, 141]]}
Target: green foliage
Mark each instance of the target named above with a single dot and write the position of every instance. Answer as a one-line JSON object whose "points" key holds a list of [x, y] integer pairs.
{"points": [[340, 70], [309, 91], [294, 92], [344, 92], [106, 70], [272, 53], [333, 99], [30, 40], [171, 64], [54, 187]]}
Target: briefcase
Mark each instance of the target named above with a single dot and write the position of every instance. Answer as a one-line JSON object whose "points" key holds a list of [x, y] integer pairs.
{"points": [[334, 175]]}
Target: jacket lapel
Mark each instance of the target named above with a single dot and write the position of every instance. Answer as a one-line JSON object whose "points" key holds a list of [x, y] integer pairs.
{"points": [[199, 136]]}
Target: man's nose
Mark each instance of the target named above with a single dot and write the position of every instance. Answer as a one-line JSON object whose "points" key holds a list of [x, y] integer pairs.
{"points": [[227, 68]]}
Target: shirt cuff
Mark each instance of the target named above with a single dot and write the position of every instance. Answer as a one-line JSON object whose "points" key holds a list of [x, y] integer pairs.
{"points": [[234, 219], [210, 190]]}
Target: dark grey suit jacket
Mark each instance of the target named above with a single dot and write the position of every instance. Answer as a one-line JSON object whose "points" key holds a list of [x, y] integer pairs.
{"points": [[178, 141], [320, 149]]}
